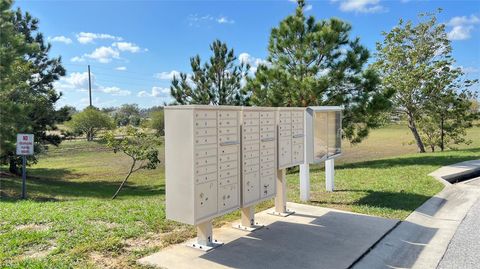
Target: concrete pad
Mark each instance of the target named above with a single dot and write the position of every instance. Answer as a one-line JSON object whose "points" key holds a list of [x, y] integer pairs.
{"points": [[314, 237], [448, 172], [422, 239]]}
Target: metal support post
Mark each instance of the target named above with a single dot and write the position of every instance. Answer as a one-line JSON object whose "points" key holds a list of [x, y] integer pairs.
{"points": [[281, 197], [329, 174], [305, 182], [247, 220], [204, 240], [24, 176]]}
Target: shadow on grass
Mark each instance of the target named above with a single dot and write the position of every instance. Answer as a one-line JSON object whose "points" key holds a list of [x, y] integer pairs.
{"points": [[437, 159], [380, 199], [45, 189]]}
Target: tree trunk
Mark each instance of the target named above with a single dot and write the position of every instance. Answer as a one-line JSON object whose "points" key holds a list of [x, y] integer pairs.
{"points": [[413, 128], [12, 168], [125, 180], [442, 143]]}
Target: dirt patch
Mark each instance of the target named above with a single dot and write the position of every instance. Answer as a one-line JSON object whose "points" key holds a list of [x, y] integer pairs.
{"points": [[107, 261], [33, 227], [109, 225], [153, 240], [39, 251], [149, 241]]}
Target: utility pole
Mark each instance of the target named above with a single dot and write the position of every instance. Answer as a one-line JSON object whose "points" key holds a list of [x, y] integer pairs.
{"points": [[89, 87]]}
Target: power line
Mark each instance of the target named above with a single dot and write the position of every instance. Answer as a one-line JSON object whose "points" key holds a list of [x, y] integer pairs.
{"points": [[89, 86]]}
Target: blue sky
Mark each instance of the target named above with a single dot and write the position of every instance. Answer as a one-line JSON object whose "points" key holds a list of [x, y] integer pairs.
{"points": [[134, 47]]}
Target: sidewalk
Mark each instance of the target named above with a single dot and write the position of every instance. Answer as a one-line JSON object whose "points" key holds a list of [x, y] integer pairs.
{"points": [[464, 249], [313, 237]]}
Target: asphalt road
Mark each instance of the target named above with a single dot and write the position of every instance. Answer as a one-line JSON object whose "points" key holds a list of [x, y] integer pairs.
{"points": [[464, 248]]}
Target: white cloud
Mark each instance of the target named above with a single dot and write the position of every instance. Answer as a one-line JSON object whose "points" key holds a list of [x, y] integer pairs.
{"points": [[126, 46], [308, 8], [469, 69], [77, 81], [121, 68], [61, 39], [223, 20], [115, 91], [85, 38], [197, 21], [246, 58], [462, 27], [77, 59], [155, 92], [167, 75], [104, 54], [360, 6]]}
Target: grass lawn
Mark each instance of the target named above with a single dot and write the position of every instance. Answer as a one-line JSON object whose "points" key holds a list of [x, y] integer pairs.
{"points": [[70, 221]]}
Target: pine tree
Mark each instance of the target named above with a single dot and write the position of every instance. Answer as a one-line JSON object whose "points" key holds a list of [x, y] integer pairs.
{"points": [[216, 82], [27, 96], [313, 63]]}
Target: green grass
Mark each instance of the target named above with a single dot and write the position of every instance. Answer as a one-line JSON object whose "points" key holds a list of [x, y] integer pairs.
{"points": [[70, 221]]}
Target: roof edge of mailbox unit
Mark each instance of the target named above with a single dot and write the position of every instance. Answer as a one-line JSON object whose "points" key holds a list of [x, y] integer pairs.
{"points": [[325, 108], [201, 107], [229, 107]]}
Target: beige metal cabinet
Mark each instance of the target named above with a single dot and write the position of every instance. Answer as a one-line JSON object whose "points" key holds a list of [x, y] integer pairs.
{"points": [[258, 154], [202, 162], [291, 136]]}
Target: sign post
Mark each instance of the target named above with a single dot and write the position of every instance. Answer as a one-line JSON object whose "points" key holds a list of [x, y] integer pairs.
{"points": [[24, 148]]}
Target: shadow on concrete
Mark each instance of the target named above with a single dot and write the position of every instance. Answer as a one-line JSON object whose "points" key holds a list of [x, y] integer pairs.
{"points": [[434, 205], [399, 249], [333, 240]]}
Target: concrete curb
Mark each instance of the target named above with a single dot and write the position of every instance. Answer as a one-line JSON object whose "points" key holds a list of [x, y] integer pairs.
{"points": [[446, 173], [422, 239]]}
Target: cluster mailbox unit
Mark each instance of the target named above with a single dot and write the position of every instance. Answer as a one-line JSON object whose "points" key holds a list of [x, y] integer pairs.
{"points": [[222, 158], [202, 145]]}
